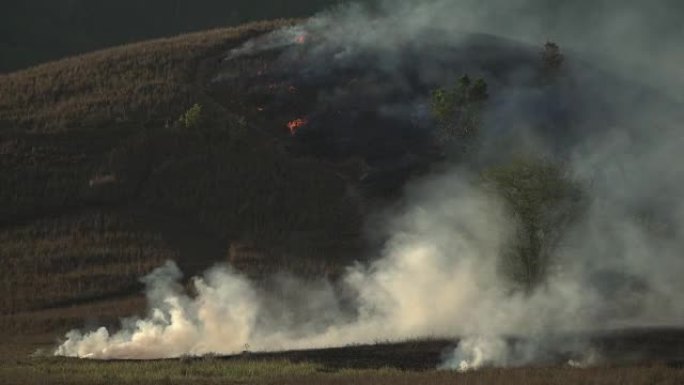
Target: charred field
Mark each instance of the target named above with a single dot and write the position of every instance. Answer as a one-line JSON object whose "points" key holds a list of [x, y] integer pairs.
{"points": [[639, 357], [321, 185], [627, 347]]}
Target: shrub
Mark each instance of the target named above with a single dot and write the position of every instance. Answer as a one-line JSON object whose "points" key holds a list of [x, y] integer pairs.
{"points": [[443, 105], [458, 109], [193, 117]]}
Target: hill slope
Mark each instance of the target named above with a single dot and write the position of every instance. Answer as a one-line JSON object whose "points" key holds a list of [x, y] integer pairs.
{"points": [[100, 183], [34, 31], [269, 155]]}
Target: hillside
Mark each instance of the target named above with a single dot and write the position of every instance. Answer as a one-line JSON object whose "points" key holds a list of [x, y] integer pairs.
{"points": [[348, 174], [100, 183], [288, 153], [37, 31]]}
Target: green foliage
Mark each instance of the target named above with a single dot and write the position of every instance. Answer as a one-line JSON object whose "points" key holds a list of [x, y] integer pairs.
{"points": [[458, 109], [193, 117], [543, 201], [443, 104]]}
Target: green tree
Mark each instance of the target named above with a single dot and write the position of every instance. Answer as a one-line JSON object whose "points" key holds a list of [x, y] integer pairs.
{"points": [[458, 109], [543, 202]]}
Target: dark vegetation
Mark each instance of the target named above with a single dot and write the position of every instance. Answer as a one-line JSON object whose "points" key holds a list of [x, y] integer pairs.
{"points": [[458, 110], [552, 59]]}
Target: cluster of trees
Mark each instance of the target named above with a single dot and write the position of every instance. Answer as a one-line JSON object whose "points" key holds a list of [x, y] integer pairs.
{"points": [[540, 196]]}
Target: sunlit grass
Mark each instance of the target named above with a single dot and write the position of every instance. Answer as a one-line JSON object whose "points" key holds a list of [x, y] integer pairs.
{"points": [[175, 371]]}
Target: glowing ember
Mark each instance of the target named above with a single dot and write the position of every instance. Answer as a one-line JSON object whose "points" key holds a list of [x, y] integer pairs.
{"points": [[301, 39], [296, 124]]}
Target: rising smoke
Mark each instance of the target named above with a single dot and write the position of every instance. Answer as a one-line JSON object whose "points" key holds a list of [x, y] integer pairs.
{"points": [[619, 265]]}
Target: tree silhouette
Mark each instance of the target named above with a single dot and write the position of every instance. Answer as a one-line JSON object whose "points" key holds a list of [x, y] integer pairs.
{"points": [[552, 58]]}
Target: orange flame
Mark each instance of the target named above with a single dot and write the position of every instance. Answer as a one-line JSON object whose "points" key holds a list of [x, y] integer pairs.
{"points": [[301, 39], [296, 124]]}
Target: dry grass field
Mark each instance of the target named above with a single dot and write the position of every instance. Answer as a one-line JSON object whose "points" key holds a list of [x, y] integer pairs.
{"points": [[136, 83]]}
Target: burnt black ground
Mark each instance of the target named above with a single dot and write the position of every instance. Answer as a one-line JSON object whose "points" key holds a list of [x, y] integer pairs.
{"points": [[412, 355], [373, 107], [619, 347]]}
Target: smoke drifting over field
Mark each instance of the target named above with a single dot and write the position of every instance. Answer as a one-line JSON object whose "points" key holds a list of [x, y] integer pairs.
{"points": [[618, 265]]}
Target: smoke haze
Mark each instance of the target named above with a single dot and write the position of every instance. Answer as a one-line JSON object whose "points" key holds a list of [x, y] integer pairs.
{"points": [[618, 265]]}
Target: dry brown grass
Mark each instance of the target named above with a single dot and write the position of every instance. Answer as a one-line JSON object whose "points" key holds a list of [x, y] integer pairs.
{"points": [[23, 333], [85, 143], [91, 255], [149, 81]]}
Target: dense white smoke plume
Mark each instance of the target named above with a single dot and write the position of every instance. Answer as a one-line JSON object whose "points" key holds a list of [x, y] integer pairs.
{"points": [[620, 265], [438, 278], [439, 272]]}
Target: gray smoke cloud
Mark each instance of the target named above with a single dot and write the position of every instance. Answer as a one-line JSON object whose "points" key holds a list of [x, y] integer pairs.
{"points": [[619, 265]]}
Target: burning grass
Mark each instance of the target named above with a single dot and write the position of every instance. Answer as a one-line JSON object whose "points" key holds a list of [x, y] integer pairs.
{"points": [[296, 124]]}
